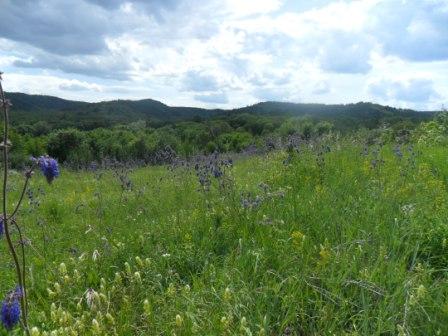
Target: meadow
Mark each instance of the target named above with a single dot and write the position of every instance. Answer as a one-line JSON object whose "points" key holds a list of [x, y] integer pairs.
{"points": [[327, 237]]}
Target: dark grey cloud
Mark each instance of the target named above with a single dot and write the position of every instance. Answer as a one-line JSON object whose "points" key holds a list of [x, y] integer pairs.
{"points": [[60, 27], [155, 5], [412, 91], [108, 67], [414, 30], [213, 98], [152, 7], [200, 82]]}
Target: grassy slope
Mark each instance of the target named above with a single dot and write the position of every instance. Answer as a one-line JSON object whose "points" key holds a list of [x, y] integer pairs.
{"points": [[363, 267]]}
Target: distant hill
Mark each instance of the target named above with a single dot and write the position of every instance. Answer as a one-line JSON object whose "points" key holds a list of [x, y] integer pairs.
{"points": [[29, 109], [343, 116]]}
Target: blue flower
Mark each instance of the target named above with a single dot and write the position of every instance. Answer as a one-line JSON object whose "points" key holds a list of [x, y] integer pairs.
{"points": [[10, 313], [49, 167], [1, 227]]}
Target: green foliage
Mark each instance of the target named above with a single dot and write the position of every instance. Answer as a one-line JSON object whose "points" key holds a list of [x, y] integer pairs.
{"points": [[38, 113], [65, 144], [134, 130], [434, 131]]}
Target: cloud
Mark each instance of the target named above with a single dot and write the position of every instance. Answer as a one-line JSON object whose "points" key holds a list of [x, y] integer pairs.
{"points": [[321, 88], [247, 8], [79, 86], [214, 98], [414, 30], [271, 94], [230, 51], [60, 27], [345, 53], [197, 81], [108, 67], [417, 90]]}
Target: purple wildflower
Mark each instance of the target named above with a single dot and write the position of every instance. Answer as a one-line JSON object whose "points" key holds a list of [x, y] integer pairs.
{"points": [[48, 166], [1, 226], [10, 313]]}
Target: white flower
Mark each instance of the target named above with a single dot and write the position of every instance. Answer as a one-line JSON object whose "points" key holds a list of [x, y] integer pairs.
{"points": [[95, 255]]}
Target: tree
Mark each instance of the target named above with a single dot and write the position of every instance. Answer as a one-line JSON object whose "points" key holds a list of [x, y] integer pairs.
{"points": [[62, 143]]}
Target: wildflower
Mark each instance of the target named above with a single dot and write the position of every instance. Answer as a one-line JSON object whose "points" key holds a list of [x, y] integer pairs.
{"points": [[297, 238], [91, 297], [57, 287], [408, 209], [103, 297], [179, 321], [110, 318], [95, 255], [171, 290], [147, 307], [10, 313], [139, 261], [76, 275], [243, 326], [401, 330], [51, 294], [35, 331], [225, 322], [137, 277], [227, 294], [324, 255], [96, 328], [48, 166], [1, 226], [118, 279], [62, 269], [421, 291]]}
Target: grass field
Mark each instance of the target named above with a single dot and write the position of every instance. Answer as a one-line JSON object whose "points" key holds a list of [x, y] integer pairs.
{"points": [[341, 240]]}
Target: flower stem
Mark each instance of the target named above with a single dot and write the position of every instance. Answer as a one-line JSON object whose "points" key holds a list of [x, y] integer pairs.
{"points": [[5, 217]]}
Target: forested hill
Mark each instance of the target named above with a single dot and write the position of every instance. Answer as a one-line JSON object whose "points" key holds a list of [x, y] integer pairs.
{"points": [[343, 116], [61, 113]]}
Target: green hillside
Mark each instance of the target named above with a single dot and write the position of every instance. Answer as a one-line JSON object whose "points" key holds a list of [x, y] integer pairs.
{"points": [[60, 113]]}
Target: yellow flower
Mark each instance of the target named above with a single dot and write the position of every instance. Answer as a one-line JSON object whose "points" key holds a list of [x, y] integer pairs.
{"points": [[35, 331], [324, 254], [179, 321], [297, 238], [227, 294], [171, 290], [147, 307]]}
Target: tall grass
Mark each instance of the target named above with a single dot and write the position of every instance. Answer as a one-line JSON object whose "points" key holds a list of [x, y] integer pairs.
{"points": [[332, 241]]}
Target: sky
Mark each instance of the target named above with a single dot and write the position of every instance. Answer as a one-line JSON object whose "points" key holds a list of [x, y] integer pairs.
{"points": [[228, 53]]}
